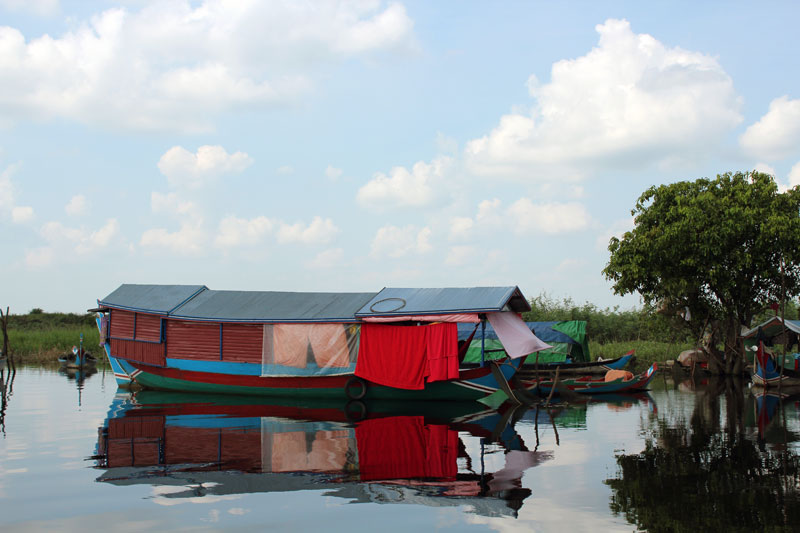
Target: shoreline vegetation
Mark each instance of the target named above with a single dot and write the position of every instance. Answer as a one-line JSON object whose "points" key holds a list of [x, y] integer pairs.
{"points": [[39, 337]]}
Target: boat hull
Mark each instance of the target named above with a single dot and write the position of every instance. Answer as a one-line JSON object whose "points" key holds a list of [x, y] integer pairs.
{"points": [[472, 384], [595, 367], [767, 375], [588, 385]]}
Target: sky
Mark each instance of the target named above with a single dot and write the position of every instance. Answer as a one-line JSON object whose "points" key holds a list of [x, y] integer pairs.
{"points": [[350, 146]]}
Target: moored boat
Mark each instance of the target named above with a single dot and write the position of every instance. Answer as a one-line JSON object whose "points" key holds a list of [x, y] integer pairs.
{"points": [[394, 344], [768, 372], [593, 384], [569, 351], [78, 358]]}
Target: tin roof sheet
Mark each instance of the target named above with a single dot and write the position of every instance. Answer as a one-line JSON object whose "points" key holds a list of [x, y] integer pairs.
{"points": [[409, 301], [158, 299], [255, 306]]}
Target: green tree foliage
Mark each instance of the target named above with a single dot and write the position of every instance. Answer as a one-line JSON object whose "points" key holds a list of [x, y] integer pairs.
{"points": [[723, 249]]}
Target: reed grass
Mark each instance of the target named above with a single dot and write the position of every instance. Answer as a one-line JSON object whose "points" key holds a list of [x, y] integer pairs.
{"points": [[47, 344], [647, 352]]}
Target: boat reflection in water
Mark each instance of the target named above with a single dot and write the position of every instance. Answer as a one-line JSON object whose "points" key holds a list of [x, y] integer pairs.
{"points": [[381, 452], [79, 375], [776, 415]]}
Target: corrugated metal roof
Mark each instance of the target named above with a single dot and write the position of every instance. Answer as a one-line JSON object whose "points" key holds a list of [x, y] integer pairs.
{"points": [[158, 299], [197, 302], [396, 301], [253, 306]]}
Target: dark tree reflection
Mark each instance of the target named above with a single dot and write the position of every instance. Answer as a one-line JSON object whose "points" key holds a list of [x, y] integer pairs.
{"points": [[698, 475]]}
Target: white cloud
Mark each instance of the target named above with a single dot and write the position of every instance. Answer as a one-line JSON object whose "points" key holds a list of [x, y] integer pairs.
{"points": [[234, 231], [39, 257], [177, 65], [404, 188], [460, 255], [326, 259], [81, 240], [525, 217], [21, 214], [185, 169], [190, 239], [43, 8], [170, 204], [765, 168], [777, 134], [333, 173], [77, 205], [460, 228], [629, 101], [549, 217], [393, 241], [445, 144], [319, 231], [616, 229], [8, 194], [794, 175], [285, 170]]}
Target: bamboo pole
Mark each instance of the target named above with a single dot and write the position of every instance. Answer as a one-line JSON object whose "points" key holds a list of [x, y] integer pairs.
{"points": [[6, 351]]}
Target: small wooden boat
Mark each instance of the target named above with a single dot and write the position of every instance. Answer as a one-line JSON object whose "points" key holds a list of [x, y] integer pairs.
{"points": [[78, 358], [767, 372], [600, 366], [592, 384]]}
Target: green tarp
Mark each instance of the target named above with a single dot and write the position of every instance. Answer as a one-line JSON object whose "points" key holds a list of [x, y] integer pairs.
{"points": [[575, 345]]}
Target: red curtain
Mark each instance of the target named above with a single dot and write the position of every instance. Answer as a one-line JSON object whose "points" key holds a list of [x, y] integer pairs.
{"points": [[442, 344], [403, 356], [392, 355]]}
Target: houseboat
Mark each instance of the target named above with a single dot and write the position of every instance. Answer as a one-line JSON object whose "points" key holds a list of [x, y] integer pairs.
{"points": [[398, 343]]}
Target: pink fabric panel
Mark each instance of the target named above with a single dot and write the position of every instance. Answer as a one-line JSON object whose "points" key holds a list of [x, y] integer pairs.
{"points": [[290, 344], [442, 344], [517, 339], [469, 318], [329, 344]]}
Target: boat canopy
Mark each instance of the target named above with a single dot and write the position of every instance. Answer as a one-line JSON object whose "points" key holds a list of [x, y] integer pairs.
{"points": [[199, 303], [257, 306], [772, 328], [446, 301], [154, 299]]}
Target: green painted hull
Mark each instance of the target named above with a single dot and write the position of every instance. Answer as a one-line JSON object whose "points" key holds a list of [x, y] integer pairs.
{"points": [[450, 391]]}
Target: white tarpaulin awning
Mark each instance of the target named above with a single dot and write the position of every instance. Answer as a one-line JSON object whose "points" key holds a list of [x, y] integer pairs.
{"points": [[514, 334]]}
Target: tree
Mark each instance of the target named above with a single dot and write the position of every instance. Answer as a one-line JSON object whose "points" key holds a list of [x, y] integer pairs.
{"points": [[722, 249]]}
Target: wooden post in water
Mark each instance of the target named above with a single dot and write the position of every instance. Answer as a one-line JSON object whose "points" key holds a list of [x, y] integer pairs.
{"points": [[4, 327]]}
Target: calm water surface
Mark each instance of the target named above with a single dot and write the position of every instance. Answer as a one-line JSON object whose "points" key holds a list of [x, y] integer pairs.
{"points": [[77, 454]]}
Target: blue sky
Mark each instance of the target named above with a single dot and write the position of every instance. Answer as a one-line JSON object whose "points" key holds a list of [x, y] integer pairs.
{"points": [[348, 146]]}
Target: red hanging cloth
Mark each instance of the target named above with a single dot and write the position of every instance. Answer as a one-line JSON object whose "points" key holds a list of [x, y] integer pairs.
{"points": [[403, 356], [394, 356], [442, 344]]}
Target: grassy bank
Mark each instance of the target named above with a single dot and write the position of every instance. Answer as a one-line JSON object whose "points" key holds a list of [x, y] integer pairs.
{"points": [[40, 337], [647, 352]]}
